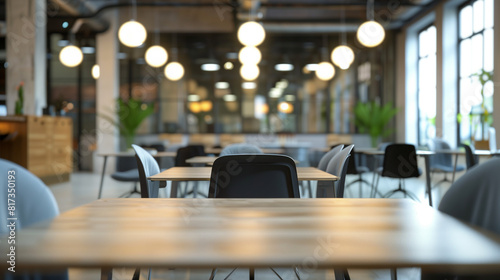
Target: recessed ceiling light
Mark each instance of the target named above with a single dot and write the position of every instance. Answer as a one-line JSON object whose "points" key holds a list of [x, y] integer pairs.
{"points": [[121, 55], [290, 97], [222, 85], [62, 43], [65, 24], [312, 66], [229, 97], [210, 67], [249, 85], [232, 55], [88, 50], [283, 67]]}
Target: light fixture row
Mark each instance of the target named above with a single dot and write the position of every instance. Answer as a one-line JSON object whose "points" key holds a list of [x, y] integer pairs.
{"points": [[251, 34]]}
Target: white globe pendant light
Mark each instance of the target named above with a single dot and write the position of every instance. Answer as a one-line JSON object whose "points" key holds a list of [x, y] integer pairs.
{"points": [[71, 56], [174, 71], [132, 34], [249, 72], [325, 71], [342, 56], [251, 33], [96, 71], [370, 34], [156, 56], [249, 55]]}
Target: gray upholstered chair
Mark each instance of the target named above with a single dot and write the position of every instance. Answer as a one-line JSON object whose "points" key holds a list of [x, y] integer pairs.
{"points": [[34, 203], [323, 163], [474, 199]]}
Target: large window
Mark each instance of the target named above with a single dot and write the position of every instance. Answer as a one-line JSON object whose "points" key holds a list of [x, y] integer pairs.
{"points": [[476, 64], [426, 84]]}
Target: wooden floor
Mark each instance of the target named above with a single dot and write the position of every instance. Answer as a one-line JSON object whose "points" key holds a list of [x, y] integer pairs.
{"points": [[83, 188]]}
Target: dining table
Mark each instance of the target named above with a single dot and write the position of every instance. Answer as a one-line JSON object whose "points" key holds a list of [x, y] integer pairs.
{"points": [[180, 174], [330, 233]]}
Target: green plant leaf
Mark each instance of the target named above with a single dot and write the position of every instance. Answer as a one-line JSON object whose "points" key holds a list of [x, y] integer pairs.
{"points": [[373, 118]]}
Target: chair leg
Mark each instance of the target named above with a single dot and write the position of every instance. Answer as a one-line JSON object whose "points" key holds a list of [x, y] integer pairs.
{"points": [[212, 275], [276, 273], [137, 274], [394, 274], [252, 274]]}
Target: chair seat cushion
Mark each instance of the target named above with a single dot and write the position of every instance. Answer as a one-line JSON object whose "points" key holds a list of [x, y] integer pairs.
{"points": [[131, 175], [446, 168]]}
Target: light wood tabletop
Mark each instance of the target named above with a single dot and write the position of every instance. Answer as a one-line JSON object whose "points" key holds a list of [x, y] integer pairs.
{"points": [[203, 174], [208, 233], [264, 150]]}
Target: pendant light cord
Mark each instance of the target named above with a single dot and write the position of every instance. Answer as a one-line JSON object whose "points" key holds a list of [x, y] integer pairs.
{"points": [[370, 10], [134, 10], [344, 35]]}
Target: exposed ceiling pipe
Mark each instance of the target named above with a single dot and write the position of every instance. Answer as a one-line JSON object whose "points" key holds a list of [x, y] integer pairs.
{"points": [[80, 7], [309, 27]]}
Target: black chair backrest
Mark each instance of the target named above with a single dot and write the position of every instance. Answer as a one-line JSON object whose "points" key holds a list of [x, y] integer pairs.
{"points": [[400, 161], [254, 176], [125, 163], [343, 173], [470, 158], [147, 167], [188, 152]]}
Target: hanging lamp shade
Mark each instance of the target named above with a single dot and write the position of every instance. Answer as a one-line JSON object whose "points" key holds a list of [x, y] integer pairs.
{"points": [[174, 71], [132, 34], [156, 56], [342, 56], [71, 56], [251, 33], [325, 71], [249, 55], [96, 71], [249, 72], [370, 34]]}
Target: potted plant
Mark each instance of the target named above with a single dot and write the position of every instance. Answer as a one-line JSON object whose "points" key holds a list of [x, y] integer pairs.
{"points": [[481, 116], [131, 114], [372, 118], [19, 109]]}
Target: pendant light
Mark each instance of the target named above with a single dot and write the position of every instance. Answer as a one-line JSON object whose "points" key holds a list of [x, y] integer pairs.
{"points": [[156, 55], [251, 33], [249, 55], [132, 33], [174, 71], [96, 71], [325, 70], [370, 34], [249, 72], [342, 55], [71, 56]]}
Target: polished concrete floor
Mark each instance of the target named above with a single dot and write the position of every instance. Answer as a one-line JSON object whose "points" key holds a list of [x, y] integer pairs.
{"points": [[83, 188]]}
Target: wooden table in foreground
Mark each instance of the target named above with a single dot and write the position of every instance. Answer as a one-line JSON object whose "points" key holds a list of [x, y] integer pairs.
{"points": [[208, 233], [178, 174]]}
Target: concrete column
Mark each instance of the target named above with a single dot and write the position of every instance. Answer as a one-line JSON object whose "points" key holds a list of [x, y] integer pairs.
{"points": [[107, 90], [400, 101], [26, 54], [496, 76]]}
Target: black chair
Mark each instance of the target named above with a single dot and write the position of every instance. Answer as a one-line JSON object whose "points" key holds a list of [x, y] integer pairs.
{"points": [[127, 172], [254, 176], [474, 199], [354, 169], [184, 154], [470, 158], [400, 162]]}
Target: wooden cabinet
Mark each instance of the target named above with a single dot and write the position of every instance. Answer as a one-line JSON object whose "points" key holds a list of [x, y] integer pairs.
{"points": [[43, 145]]}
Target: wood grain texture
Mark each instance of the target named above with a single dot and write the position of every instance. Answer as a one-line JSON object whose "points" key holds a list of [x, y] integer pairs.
{"points": [[203, 174], [309, 233], [209, 160]]}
